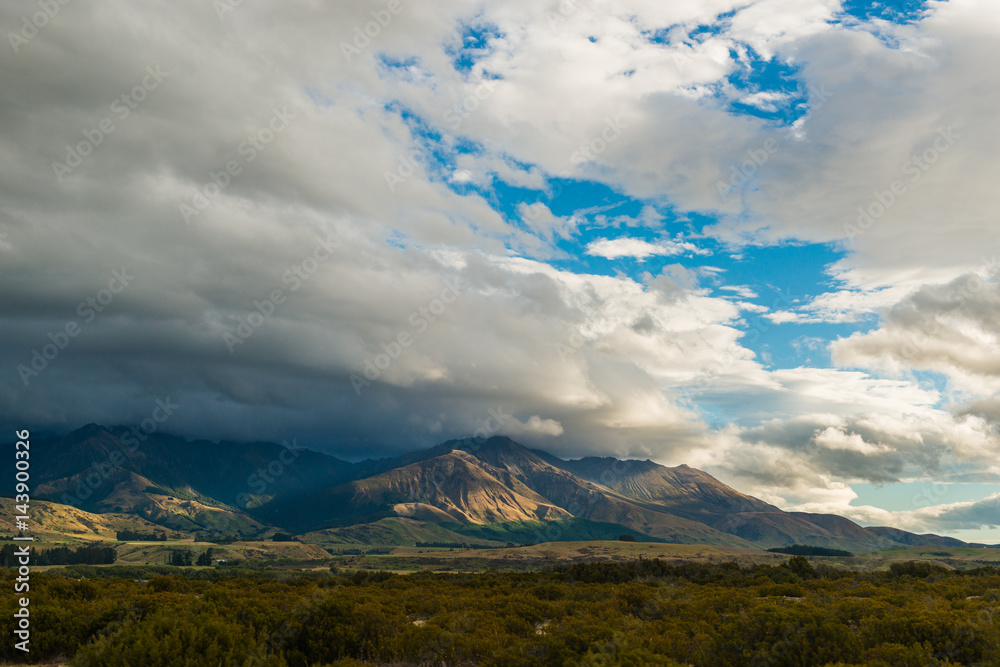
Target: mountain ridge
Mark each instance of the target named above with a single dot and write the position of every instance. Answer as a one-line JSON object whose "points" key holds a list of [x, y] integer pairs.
{"points": [[463, 485]]}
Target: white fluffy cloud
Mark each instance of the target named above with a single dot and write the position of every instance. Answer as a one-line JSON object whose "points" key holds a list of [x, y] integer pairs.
{"points": [[952, 329], [640, 249], [583, 363]]}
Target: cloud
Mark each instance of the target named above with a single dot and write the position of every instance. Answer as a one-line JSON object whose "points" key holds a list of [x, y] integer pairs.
{"points": [[943, 519], [640, 249], [765, 100], [534, 426], [433, 167], [809, 433], [845, 305], [950, 329], [983, 513], [742, 291]]}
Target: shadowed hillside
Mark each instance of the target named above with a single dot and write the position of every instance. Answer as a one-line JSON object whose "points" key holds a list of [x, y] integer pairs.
{"points": [[483, 489]]}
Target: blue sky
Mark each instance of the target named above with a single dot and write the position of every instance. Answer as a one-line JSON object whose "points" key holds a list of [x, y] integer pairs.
{"points": [[780, 276], [786, 274], [650, 211]]}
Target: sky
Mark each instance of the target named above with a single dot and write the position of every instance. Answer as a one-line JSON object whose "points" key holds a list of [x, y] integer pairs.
{"points": [[758, 237]]}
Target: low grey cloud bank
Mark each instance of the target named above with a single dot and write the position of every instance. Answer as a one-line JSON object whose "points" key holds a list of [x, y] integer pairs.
{"points": [[222, 155]]}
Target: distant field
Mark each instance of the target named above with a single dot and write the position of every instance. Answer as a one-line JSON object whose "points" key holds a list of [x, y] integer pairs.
{"points": [[403, 559], [954, 558], [370, 547], [154, 553], [349, 557]]}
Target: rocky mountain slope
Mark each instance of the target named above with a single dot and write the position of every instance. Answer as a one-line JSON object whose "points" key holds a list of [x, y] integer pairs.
{"points": [[491, 489]]}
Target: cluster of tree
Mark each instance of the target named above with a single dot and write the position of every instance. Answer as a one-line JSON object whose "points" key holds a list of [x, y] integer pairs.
{"points": [[138, 536], [184, 557], [915, 568], [181, 557], [343, 552], [809, 550], [90, 554], [358, 551], [636, 613], [284, 537], [463, 545]]}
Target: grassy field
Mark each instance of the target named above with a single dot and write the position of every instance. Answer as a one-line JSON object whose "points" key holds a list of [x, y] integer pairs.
{"points": [[952, 558], [154, 553], [402, 559], [370, 547], [66, 525], [405, 559]]}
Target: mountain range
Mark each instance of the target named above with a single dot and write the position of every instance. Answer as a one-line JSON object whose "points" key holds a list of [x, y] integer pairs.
{"points": [[472, 491]]}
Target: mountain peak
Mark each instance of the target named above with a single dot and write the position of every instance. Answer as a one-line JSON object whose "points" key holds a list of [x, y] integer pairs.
{"points": [[492, 441], [493, 445], [88, 431], [472, 481]]}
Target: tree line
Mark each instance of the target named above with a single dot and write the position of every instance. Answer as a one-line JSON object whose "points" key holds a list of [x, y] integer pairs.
{"points": [[91, 554], [809, 550], [184, 557], [139, 536]]}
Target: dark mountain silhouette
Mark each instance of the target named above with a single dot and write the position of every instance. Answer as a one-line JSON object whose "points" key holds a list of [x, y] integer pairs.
{"points": [[472, 487]]}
